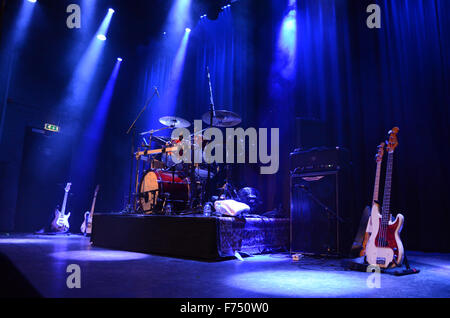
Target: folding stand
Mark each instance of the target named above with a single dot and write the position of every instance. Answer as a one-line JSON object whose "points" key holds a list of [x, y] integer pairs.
{"points": [[360, 264]]}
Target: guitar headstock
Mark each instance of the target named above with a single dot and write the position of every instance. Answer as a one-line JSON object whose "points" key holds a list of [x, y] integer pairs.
{"points": [[393, 142], [68, 185], [380, 153]]}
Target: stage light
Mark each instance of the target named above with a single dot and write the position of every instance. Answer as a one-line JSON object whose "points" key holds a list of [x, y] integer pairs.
{"points": [[32, 1], [84, 73], [103, 29], [119, 59], [178, 17], [188, 30]]}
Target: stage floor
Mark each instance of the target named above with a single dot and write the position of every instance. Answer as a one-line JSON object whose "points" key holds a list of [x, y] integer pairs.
{"points": [[108, 273]]}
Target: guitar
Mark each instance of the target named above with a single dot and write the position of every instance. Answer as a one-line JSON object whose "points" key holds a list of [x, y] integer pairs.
{"points": [[376, 190], [61, 221], [384, 247], [86, 227]]}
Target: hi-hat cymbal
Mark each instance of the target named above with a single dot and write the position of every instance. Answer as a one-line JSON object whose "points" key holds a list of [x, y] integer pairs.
{"points": [[175, 122], [222, 118]]}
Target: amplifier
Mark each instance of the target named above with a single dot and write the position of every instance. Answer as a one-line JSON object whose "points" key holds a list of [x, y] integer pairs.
{"points": [[319, 159], [321, 220]]}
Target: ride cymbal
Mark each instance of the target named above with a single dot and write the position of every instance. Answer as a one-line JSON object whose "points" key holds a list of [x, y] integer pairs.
{"points": [[175, 122], [222, 118]]}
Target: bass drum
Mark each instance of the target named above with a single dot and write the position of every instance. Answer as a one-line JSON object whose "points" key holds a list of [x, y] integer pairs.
{"points": [[158, 188]]}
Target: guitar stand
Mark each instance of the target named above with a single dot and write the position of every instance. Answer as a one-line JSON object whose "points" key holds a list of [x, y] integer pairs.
{"points": [[359, 264]]}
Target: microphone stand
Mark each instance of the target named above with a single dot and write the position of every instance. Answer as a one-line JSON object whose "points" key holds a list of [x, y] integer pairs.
{"points": [[130, 209], [212, 112]]}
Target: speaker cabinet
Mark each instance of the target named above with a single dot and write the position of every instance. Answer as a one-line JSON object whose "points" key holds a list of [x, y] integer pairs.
{"points": [[321, 213]]}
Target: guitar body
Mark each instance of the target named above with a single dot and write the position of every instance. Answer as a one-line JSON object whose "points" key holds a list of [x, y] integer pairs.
{"points": [[61, 222], [367, 211], [384, 248], [86, 227]]}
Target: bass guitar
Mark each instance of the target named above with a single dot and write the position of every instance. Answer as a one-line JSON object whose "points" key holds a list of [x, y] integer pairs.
{"points": [[61, 221], [86, 227], [384, 247], [376, 191]]}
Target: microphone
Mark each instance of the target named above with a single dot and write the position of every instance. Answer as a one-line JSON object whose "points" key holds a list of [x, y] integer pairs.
{"points": [[156, 91]]}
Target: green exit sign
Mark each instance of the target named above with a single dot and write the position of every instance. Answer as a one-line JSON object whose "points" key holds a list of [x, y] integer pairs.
{"points": [[51, 127]]}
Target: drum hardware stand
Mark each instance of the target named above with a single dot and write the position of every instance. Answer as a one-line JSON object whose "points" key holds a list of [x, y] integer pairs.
{"points": [[145, 196], [167, 207], [229, 190], [149, 144], [132, 208]]}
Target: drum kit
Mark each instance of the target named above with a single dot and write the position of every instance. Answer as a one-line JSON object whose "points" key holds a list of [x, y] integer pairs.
{"points": [[166, 187]]}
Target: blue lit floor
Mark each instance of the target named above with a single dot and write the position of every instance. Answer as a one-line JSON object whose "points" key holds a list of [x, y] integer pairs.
{"points": [[107, 273]]}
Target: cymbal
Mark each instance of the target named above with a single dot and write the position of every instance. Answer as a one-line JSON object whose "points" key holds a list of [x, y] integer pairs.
{"points": [[223, 118], [175, 122]]}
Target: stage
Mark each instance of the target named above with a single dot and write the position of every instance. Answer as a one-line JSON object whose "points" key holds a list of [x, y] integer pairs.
{"points": [[224, 149], [110, 273], [191, 236]]}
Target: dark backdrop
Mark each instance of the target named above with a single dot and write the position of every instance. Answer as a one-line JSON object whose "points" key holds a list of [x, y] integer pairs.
{"points": [[360, 82]]}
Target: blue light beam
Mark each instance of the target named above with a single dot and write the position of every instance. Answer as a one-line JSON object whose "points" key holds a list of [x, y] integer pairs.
{"points": [[19, 32], [179, 15], [103, 29], [90, 140], [176, 72], [97, 124], [285, 58], [81, 82]]}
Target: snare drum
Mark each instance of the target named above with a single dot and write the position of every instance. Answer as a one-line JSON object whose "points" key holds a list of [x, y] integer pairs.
{"points": [[158, 188]]}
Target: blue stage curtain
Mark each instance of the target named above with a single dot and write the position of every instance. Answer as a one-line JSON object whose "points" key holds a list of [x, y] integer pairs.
{"points": [[361, 82]]}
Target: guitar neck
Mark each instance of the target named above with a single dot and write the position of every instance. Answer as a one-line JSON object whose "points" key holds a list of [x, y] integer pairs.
{"points": [[387, 189], [376, 188], [93, 204], [63, 208]]}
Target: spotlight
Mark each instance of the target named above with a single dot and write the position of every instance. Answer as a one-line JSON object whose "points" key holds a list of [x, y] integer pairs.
{"points": [[32, 1], [111, 10], [188, 30], [101, 37], [119, 59]]}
